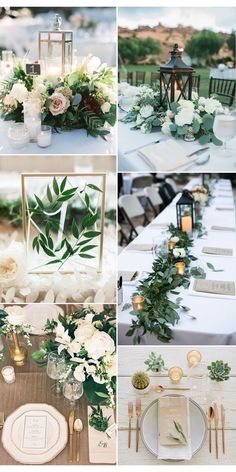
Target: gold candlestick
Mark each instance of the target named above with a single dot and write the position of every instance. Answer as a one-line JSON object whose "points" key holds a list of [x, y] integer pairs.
{"points": [[193, 358], [138, 302], [175, 374], [180, 266], [171, 245]]}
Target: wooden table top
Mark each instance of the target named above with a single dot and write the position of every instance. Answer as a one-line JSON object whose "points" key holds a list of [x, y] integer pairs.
{"points": [[131, 359]]}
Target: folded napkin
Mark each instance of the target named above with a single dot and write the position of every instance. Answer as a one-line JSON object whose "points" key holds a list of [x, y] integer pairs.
{"points": [[173, 416], [166, 156], [140, 247], [218, 251], [221, 195], [229, 208], [219, 287], [222, 228], [102, 447], [128, 275]]}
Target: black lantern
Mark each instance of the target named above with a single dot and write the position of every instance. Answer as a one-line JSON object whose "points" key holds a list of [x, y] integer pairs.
{"points": [[185, 212], [175, 79]]}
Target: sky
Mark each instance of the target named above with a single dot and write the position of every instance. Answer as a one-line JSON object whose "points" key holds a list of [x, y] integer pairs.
{"points": [[217, 19]]}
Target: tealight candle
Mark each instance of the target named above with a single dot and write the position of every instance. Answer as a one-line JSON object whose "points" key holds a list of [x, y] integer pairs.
{"points": [[138, 302], [193, 358], [18, 135], [8, 374], [175, 374], [171, 245], [45, 136], [180, 266], [186, 224]]}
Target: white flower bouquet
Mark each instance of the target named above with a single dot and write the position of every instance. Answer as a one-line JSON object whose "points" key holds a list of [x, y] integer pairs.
{"points": [[196, 116], [145, 111], [86, 340], [13, 320], [200, 195]]}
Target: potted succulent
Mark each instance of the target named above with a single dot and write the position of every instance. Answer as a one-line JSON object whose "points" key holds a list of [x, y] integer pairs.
{"points": [[141, 382], [155, 363], [219, 372]]}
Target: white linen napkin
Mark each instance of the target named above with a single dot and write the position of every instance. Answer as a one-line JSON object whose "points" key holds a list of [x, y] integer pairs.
{"points": [[166, 156]]}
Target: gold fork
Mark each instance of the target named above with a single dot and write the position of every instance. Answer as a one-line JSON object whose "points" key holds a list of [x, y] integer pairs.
{"points": [[223, 427], [216, 418], [1, 419], [138, 413], [130, 415]]}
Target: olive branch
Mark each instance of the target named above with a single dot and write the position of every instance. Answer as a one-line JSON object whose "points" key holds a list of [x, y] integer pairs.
{"points": [[180, 437], [84, 234]]}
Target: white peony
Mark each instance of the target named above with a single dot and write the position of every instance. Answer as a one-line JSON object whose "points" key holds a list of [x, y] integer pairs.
{"points": [[79, 373], [186, 104], [166, 128], [184, 117], [146, 111], [16, 315], [99, 345], [179, 252], [105, 107], [84, 332], [19, 92], [212, 105], [91, 64], [12, 265], [175, 239]]}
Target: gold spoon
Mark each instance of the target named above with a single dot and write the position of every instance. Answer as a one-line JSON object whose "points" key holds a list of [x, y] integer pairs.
{"points": [[210, 416], [161, 388], [78, 428]]}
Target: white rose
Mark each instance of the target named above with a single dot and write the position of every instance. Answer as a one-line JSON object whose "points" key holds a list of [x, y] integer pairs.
{"points": [[146, 128], [179, 252], [139, 119], [212, 105], [12, 265], [186, 104], [166, 128], [175, 239], [107, 91], [91, 63], [84, 332], [170, 114], [16, 315], [99, 345], [19, 92], [146, 111], [184, 117], [106, 107], [201, 108], [79, 373], [202, 101]]}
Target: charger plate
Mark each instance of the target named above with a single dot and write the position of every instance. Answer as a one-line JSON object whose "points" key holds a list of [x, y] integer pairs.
{"points": [[35, 433], [149, 427]]}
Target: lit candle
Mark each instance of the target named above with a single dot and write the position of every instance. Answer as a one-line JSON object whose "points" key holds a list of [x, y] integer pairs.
{"points": [[138, 302], [171, 245], [180, 266], [175, 374], [33, 125], [18, 135], [44, 136], [186, 224], [194, 357], [8, 374]]}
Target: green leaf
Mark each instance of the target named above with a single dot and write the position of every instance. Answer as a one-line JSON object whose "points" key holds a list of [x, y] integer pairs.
{"points": [[86, 256], [75, 230], [204, 139], [77, 99], [87, 200], [63, 184], [89, 220], [208, 121], [46, 250], [49, 194], [39, 202], [73, 78], [102, 395], [91, 234], [216, 141], [88, 248], [211, 267], [94, 187], [55, 186]]}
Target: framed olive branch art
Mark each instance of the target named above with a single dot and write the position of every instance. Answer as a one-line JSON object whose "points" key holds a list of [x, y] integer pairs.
{"points": [[63, 221]]}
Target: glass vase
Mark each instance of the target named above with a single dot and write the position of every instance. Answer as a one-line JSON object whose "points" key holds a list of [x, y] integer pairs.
{"points": [[32, 117]]}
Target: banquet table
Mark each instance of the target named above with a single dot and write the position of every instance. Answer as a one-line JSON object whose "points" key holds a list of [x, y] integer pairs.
{"points": [[132, 139], [176, 356], [33, 386], [67, 142], [215, 323]]}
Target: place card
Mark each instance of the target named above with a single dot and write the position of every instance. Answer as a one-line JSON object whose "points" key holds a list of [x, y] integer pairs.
{"points": [[219, 287], [172, 421], [35, 432], [222, 228], [128, 275], [140, 247], [218, 251], [32, 69]]}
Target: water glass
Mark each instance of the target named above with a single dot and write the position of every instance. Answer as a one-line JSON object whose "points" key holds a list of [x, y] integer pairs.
{"points": [[198, 380], [72, 389], [224, 128], [56, 369]]}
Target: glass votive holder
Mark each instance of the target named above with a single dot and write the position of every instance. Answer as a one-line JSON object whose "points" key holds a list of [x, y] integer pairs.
{"points": [[175, 374], [180, 266], [32, 117], [138, 302], [44, 137], [8, 373], [171, 245], [18, 135], [193, 358]]}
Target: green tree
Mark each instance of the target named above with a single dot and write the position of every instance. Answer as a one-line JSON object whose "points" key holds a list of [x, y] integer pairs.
{"points": [[231, 43], [133, 49], [203, 45]]}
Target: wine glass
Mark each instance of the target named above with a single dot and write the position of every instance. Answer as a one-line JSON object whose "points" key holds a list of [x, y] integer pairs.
{"points": [[56, 369], [72, 389], [224, 128]]}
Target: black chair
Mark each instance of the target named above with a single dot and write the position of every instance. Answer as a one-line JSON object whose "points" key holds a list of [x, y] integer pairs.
{"points": [[118, 76], [154, 79], [196, 82], [140, 77], [141, 182], [224, 89], [130, 78], [167, 193]]}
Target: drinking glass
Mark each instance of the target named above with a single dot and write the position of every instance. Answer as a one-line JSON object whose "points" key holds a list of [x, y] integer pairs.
{"points": [[72, 389], [224, 128], [56, 369], [198, 380]]}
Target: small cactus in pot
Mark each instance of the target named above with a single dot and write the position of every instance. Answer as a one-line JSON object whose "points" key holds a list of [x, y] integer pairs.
{"points": [[219, 371], [141, 381]]}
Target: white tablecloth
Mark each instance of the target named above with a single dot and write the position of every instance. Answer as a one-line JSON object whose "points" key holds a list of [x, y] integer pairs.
{"points": [[216, 321], [67, 142], [132, 139]]}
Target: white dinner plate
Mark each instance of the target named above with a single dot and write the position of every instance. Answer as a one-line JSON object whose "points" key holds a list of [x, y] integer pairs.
{"points": [[35, 433], [149, 427], [38, 314]]}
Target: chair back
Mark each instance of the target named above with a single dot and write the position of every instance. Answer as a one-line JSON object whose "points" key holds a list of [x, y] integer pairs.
{"points": [[131, 206], [153, 195], [142, 181], [130, 78], [224, 89], [154, 79], [140, 77], [196, 82]]}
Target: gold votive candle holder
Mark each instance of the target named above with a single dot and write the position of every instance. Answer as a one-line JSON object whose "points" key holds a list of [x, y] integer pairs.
{"points": [[180, 266], [138, 302], [175, 374], [194, 358], [171, 245]]}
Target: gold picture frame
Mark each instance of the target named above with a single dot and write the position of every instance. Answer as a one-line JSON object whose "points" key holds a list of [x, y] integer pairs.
{"points": [[27, 220]]}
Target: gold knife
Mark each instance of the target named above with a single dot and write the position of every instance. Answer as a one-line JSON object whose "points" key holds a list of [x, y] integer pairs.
{"points": [[138, 414], [71, 431], [223, 427], [216, 418]]}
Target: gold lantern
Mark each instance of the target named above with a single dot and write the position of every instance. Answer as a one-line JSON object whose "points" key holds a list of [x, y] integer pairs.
{"points": [[56, 50]]}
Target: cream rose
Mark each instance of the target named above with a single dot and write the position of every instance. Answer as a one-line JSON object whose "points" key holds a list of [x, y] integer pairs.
{"points": [[212, 105], [91, 63], [166, 128], [179, 252], [84, 332], [19, 92], [184, 117], [59, 104], [12, 265], [106, 107], [9, 102], [79, 373], [99, 345], [16, 315]]}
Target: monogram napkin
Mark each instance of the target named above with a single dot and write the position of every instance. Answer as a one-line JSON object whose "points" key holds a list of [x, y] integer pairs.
{"points": [[165, 156], [174, 440], [219, 287], [222, 228], [102, 445], [218, 251]]}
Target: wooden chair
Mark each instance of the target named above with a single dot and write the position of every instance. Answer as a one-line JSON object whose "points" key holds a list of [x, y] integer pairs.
{"points": [[140, 77], [196, 82], [154, 79], [224, 89]]}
